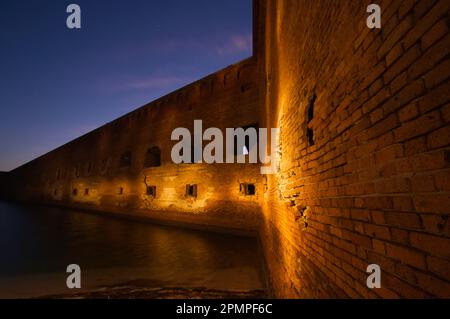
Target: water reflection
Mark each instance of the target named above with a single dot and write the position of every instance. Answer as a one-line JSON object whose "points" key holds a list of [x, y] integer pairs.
{"points": [[37, 244]]}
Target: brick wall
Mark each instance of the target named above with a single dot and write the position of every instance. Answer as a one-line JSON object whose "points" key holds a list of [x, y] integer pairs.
{"points": [[367, 179], [91, 164]]}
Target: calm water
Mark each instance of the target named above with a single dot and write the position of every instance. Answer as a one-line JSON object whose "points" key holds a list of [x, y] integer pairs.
{"points": [[37, 244]]}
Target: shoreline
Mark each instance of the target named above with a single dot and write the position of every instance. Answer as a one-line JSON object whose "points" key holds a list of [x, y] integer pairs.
{"points": [[143, 290]]}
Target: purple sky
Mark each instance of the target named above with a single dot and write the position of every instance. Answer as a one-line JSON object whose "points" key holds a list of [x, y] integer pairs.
{"points": [[57, 84]]}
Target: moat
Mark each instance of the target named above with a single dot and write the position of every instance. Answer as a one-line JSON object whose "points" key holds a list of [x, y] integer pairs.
{"points": [[38, 242]]}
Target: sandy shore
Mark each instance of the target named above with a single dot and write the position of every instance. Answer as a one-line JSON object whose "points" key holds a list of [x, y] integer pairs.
{"points": [[117, 283], [140, 291]]}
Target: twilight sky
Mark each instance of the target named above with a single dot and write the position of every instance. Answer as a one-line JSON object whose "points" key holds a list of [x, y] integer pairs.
{"points": [[57, 84]]}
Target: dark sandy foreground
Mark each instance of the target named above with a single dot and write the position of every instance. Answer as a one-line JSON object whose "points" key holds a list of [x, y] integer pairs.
{"points": [[161, 293], [139, 290]]}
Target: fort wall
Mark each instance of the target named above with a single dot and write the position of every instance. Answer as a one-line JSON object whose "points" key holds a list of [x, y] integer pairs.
{"points": [[125, 166], [364, 148]]}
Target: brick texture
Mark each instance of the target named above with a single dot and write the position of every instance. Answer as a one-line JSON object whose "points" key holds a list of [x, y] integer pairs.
{"points": [[376, 181]]}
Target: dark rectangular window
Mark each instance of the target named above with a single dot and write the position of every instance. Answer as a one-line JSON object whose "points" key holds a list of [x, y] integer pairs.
{"points": [[153, 157], [151, 191], [86, 191], [75, 192], [125, 159], [191, 190], [247, 189]]}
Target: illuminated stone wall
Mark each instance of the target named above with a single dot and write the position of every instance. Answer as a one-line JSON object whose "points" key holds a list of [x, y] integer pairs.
{"points": [[366, 180], [88, 172]]}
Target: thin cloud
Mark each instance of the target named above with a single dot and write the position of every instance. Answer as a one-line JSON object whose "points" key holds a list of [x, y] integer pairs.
{"points": [[219, 45], [236, 44], [128, 83], [156, 82]]}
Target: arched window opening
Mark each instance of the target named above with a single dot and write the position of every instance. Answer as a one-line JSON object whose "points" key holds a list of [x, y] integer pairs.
{"points": [[153, 157], [125, 159]]}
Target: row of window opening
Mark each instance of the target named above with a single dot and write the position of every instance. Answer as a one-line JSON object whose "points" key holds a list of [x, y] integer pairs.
{"points": [[247, 189], [152, 159], [153, 156]]}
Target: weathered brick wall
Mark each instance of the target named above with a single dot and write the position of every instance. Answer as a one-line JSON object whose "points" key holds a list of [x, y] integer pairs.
{"points": [[224, 99], [375, 186]]}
